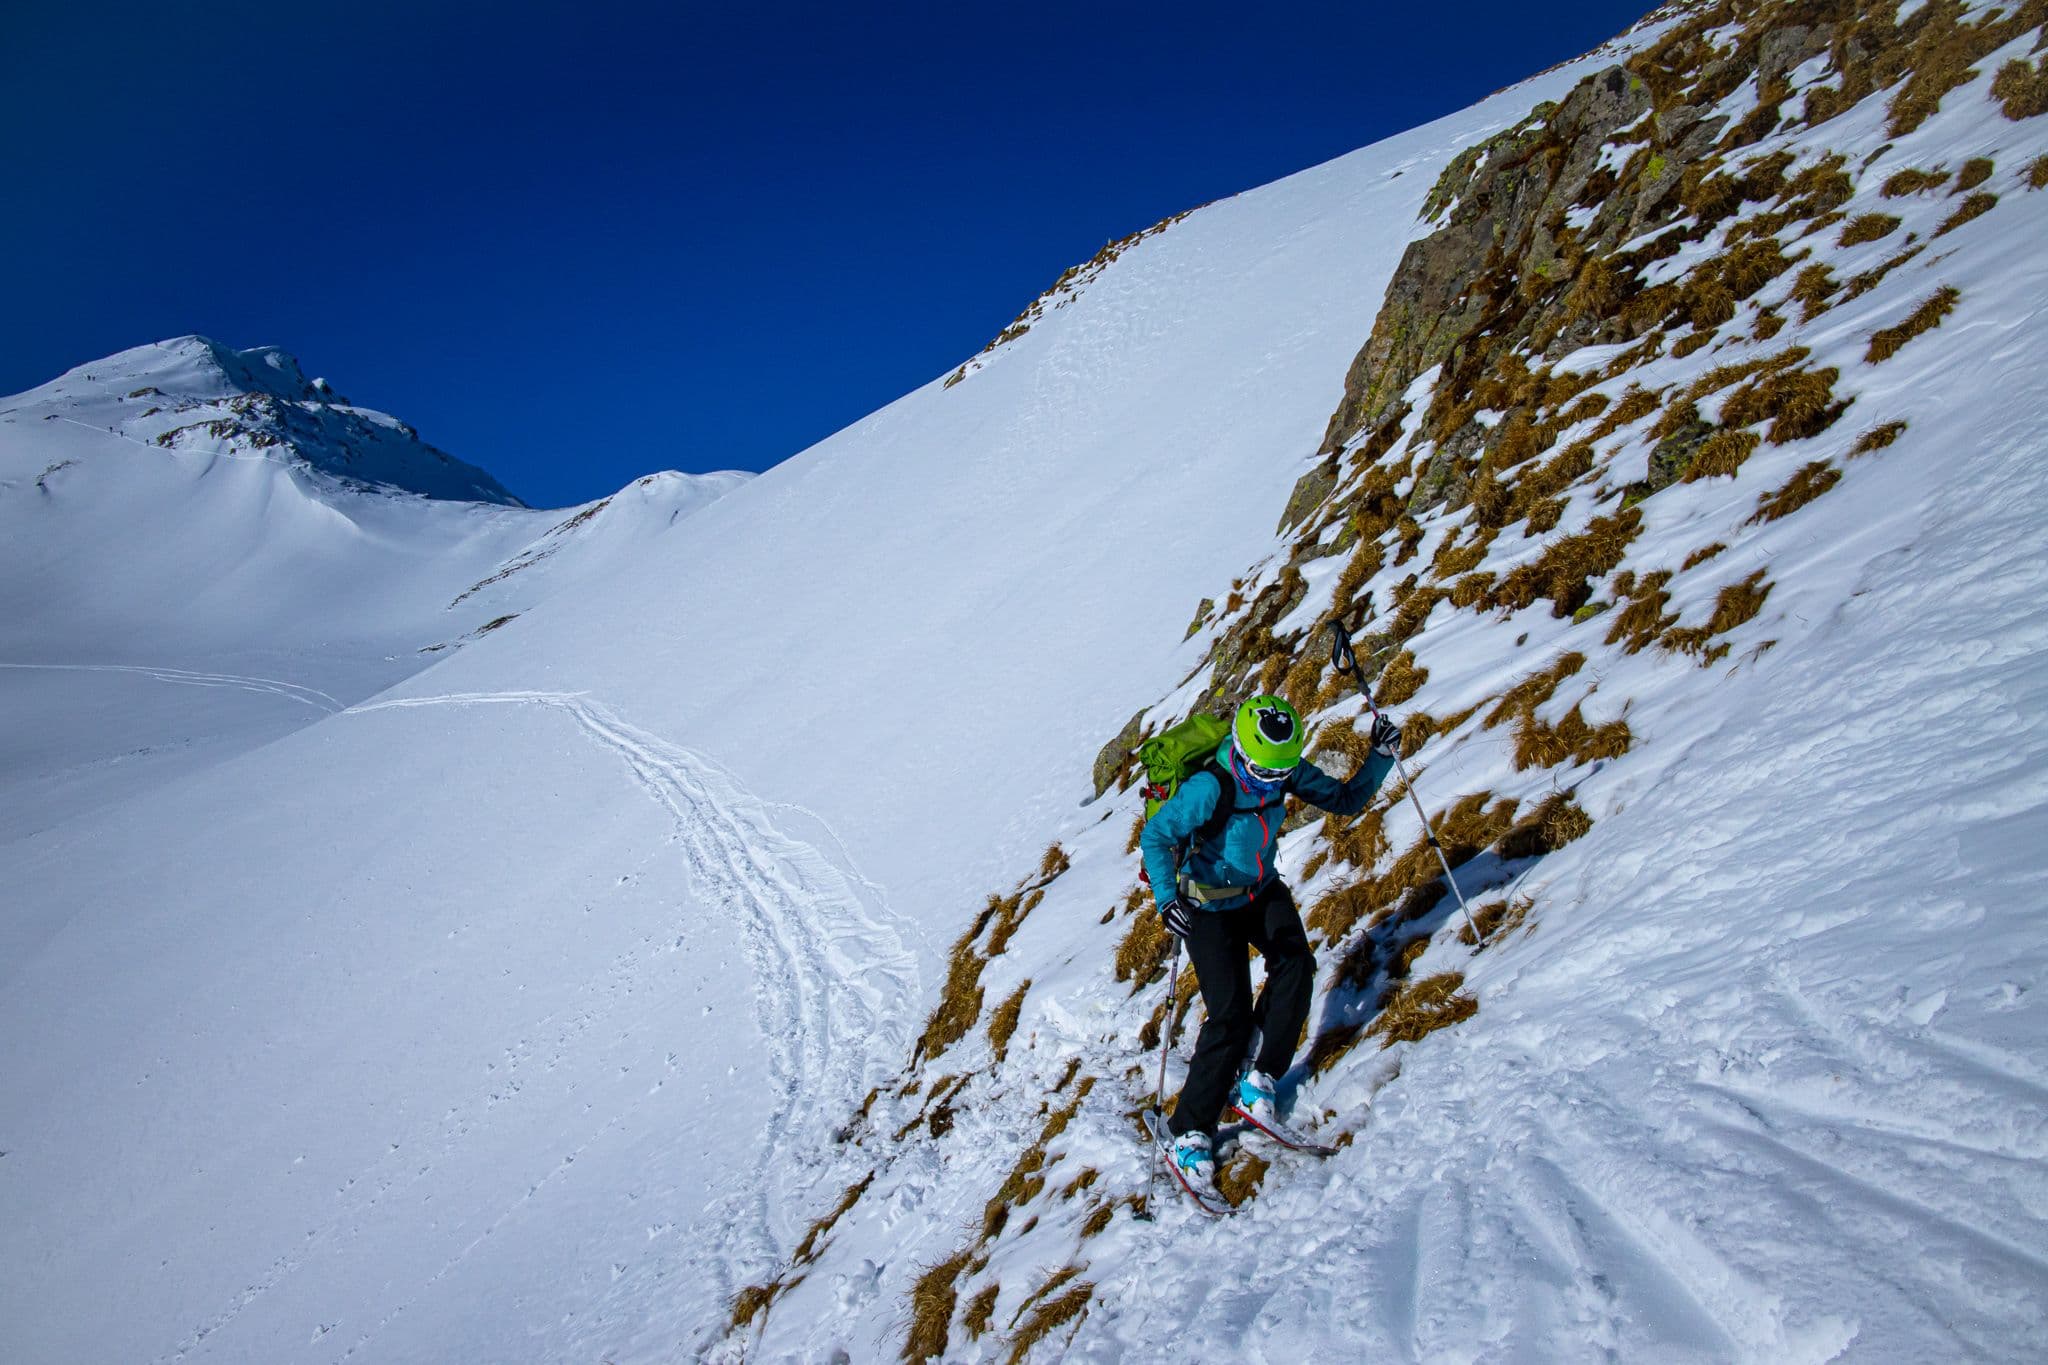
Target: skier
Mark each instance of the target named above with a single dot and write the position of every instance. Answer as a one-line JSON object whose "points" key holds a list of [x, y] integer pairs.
{"points": [[1225, 896]]}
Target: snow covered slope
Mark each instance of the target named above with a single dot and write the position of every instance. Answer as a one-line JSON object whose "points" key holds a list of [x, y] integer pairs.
{"points": [[201, 550], [536, 1006], [1687, 500]]}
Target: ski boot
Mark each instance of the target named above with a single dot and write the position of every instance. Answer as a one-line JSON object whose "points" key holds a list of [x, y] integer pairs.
{"points": [[1256, 1100], [1194, 1162]]}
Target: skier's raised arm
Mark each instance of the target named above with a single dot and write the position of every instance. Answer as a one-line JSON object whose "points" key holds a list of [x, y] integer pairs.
{"points": [[1351, 796]]}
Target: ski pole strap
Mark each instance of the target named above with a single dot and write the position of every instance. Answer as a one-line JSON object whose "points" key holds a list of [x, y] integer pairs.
{"points": [[1340, 648]]}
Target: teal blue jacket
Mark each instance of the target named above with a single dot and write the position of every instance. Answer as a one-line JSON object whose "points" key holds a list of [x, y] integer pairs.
{"points": [[1243, 854]]}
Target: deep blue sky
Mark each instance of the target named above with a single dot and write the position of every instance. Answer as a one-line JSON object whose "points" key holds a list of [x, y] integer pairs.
{"points": [[576, 243]]}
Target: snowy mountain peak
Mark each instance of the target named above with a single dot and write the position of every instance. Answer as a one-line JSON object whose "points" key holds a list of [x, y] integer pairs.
{"points": [[193, 394]]}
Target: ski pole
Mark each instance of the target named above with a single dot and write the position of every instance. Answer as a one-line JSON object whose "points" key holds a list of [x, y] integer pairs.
{"points": [[1165, 1043], [1342, 658]]}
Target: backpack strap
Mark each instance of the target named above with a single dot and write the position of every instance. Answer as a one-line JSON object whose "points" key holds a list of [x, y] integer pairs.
{"points": [[1212, 827]]}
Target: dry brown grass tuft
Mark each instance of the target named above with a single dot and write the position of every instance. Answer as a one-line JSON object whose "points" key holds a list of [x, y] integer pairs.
{"points": [[1360, 840], [1472, 589], [1885, 343], [960, 1002], [1644, 619], [1026, 1180], [752, 1301], [1877, 438], [1563, 572], [1749, 267], [1813, 288], [1635, 405], [1823, 186], [1722, 376], [1409, 533], [1733, 606], [1764, 178], [1052, 1284], [1797, 404], [1738, 603], [1682, 414], [1558, 473], [1495, 918], [1870, 279], [1940, 62], [1571, 740], [932, 1300], [1419, 1008], [1902, 183], [1976, 206], [1002, 1025], [980, 1310], [2037, 174], [1342, 908], [1585, 409], [1707, 303], [1008, 912], [1365, 561], [1721, 455], [1686, 345], [1555, 821], [1332, 1046], [807, 1250], [1304, 680], [1049, 1315], [1535, 689], [1468, 827], [1401, 679], [1452, 559], [1412, 609], [1809, 483], [1975, 172], [1702, 555], [1239, 1181], [1053, 864], [1143, 950], [1867, 227], [2021, 89]]}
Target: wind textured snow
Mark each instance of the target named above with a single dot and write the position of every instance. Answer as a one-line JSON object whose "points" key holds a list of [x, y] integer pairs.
{"points": [[443, 930]]}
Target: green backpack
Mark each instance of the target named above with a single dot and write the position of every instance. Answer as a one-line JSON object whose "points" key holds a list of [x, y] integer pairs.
{"points": [[1177, 753]]}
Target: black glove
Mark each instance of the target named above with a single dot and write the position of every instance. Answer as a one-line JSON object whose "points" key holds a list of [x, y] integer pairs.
{"points": [[1176, 916], [1386, 737]]}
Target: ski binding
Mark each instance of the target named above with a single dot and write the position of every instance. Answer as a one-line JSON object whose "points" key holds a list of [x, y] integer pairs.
{"points": [[1283, 1134], [1208, 1201]]}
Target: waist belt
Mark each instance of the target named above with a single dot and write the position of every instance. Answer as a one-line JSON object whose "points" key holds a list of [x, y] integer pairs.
{"points": [[1198, 891]]}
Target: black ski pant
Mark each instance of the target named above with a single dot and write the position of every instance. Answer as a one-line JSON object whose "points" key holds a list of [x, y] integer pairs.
{"points": [[1217, 943]]}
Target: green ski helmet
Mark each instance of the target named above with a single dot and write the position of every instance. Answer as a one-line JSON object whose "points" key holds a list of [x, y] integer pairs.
{"points": [[1267, 735]]}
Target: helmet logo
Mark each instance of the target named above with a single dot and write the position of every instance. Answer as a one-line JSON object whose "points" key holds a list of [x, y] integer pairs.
{"points": [[1275, 725]]}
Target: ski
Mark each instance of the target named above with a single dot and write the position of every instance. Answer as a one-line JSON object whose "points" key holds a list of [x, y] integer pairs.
{"points": [[1162, 1142], [1284, 1135]]}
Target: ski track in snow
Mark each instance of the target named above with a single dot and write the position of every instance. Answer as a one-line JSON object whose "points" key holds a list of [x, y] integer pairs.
{"points": [[827, 964], [305, 696]]}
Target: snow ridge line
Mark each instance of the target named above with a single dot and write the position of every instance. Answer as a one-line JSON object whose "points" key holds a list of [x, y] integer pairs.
{"points": [[827, 969], [305, 696]]}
